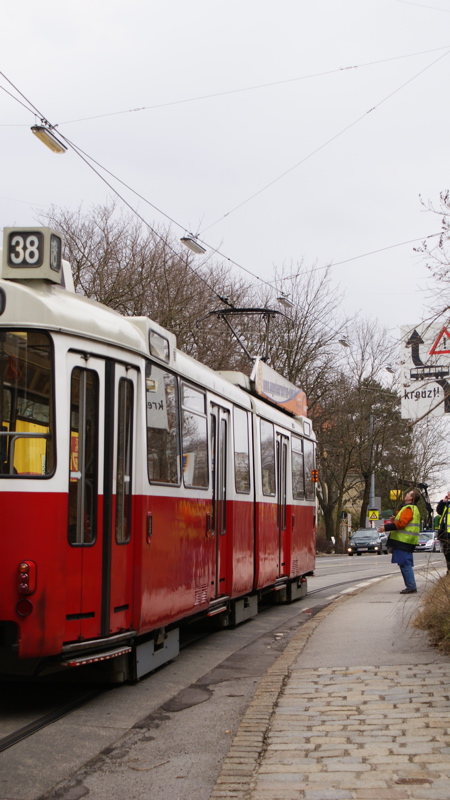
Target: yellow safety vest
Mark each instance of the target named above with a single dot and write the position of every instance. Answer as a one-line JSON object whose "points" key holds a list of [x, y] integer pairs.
{"points": [[410, 534], [445, 513]]}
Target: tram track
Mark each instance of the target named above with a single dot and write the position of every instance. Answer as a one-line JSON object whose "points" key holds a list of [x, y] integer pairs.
{"points": [[67, 708], [22, 733], [47, 719], [344, 583]]}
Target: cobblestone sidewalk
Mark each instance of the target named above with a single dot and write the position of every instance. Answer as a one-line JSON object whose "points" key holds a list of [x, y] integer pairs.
{"points": [[342, 732], [369, 733]]}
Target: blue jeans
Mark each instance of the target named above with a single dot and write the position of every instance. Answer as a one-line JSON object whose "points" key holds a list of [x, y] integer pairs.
{"points": [[406, 563], [408, 576]]}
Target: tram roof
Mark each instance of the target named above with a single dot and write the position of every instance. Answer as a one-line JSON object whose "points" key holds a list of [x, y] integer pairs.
{"points": [[44, 305], [50, 306], [41, 304]]}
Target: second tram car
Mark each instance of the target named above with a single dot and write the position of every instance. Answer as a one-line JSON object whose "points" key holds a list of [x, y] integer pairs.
{"points": [[139, 489]]}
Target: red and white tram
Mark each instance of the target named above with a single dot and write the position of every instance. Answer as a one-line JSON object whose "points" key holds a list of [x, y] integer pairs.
{"points": [[139, 488]]}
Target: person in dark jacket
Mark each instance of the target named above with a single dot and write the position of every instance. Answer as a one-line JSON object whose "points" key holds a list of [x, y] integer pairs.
{"points": [[443, 510], [403, 536]]}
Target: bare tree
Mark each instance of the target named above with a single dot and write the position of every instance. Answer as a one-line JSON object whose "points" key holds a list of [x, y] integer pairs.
{"points": [[304, 344], [140, 271]]}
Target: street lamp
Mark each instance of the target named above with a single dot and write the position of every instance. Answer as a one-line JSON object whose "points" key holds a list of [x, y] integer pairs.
{"points": [[192, 243], [284, 301], [48, 138]]}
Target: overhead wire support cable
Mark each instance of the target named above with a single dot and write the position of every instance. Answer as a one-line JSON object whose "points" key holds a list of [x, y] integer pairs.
{"points": [[84, 157], [325, 144], [362, 255], [31, 110], [87, 159], [256, 87], [35, 110]]}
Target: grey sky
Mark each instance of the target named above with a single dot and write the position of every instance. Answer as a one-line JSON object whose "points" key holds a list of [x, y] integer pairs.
{"points": [[380, 129]]}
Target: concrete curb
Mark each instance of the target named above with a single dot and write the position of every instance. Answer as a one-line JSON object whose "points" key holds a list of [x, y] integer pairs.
{"points": [[249, 745]]}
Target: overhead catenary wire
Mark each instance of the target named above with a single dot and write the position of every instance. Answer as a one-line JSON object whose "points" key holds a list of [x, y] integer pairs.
{"points": [[362, 255], [143, 220], [88, 159], [216, 250]]}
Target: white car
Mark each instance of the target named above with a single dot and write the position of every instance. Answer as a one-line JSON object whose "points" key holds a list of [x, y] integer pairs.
{"points": [[428, 541]]}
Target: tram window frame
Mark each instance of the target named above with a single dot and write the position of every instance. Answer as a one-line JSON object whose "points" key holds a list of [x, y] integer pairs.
{"points": [[193, 404], [268, 476], [242, 480], [41, 377], [92, 424], [124, 456], [173, 429], [309, 452], [298, 467]]}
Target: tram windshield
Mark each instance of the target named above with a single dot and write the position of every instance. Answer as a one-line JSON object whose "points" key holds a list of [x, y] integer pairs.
{"points": [[26, 404]]}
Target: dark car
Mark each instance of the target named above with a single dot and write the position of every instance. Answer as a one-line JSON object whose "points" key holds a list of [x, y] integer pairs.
{"points": [[367, 540]]}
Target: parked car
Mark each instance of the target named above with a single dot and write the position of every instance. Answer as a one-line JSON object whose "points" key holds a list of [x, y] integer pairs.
{"points": [[428, 541], [367, 540]]}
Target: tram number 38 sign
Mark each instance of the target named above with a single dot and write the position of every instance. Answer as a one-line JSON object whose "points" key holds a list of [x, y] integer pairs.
{"points": [[27, 250]]}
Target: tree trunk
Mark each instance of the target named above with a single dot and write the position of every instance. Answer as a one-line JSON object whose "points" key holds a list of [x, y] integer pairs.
{"points": [[328, 518], [365, 501]]}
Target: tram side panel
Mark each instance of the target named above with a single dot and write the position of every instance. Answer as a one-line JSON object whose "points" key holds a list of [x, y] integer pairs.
{"points": [[175, 559], [233, 497], [33, 599], [266, 509], [285, 503], [303, 510], [240, 558], [174, 547]]}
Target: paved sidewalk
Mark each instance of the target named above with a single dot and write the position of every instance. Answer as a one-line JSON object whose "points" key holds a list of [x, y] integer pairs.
{"points": [[356, 708]]}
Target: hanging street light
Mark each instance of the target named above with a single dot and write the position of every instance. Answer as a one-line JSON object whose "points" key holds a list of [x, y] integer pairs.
{"points": [[48, 138], [192, 244]]}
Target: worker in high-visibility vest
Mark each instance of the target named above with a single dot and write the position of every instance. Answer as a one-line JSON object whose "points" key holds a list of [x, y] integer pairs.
{"points": [[442, 509], [403, 536]]}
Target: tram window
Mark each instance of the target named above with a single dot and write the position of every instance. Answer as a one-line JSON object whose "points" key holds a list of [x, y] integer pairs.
{"points": [[241, 451], [163, 443], [159, 346], [267, 457], [298, 474], [124, 461], [195, 446], [309, 466], [26, 404], [83, 467], [193, 399]]}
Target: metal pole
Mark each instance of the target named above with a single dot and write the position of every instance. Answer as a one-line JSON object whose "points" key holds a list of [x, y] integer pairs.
{"points": [[372, 475]]}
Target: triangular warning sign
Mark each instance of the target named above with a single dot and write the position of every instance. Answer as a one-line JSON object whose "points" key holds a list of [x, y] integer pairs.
{"points": [[442, 343], [373, 515]]}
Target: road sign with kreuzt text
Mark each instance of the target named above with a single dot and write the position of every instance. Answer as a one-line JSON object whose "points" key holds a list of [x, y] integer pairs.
{"points": [[425, 371]]}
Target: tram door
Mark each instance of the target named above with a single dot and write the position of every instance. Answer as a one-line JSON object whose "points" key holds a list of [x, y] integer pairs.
{"points": [[117, 496], [219, 434], [281, 461], [99, 562]]}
